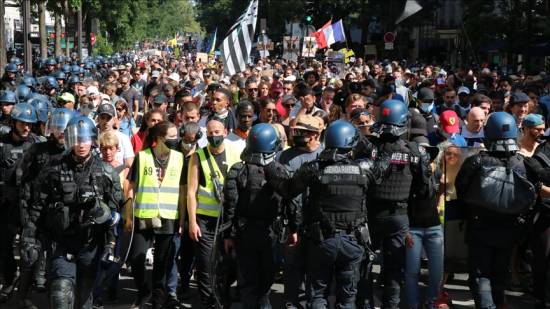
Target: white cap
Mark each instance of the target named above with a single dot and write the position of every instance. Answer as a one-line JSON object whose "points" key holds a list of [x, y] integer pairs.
{"points": [[175, 77], [155, 74], [463, 89], [290, 78], [92, 90]]}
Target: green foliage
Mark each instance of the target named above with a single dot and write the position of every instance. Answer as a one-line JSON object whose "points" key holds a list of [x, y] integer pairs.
{"points": [[102, 46]]}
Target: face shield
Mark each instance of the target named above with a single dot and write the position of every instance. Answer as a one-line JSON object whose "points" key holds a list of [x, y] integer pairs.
{"points": [[79, 133], [57, 122]]}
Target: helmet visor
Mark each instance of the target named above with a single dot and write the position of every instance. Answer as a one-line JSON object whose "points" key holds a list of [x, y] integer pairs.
{"points": [[57, 123], [78, 135]]}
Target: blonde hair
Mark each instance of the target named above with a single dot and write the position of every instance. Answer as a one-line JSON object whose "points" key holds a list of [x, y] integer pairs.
{"points": [[108, 139]]}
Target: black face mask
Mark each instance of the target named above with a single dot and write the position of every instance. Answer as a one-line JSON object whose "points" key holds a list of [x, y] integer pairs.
{"points": [[215, 141], [171, 143], [244, 127], [300, 141]]}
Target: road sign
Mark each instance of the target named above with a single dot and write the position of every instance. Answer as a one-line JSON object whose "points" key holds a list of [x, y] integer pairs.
{"points": [[389, 37], [388, 46]]}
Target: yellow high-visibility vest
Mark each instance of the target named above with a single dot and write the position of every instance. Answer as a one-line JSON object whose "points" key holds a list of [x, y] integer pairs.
{"points": [[154, 199], [207, 204]]}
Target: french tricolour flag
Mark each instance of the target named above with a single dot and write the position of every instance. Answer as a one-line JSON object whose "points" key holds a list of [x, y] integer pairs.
{"points": [[330, 34]]}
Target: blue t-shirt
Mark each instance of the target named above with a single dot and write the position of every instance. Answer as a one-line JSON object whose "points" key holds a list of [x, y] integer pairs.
{"points": [[126, 125]]}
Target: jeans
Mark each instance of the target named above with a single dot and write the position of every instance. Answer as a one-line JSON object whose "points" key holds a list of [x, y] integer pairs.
{"points": [[490, 251], [339, 257], [172, 276], [431, 240]]}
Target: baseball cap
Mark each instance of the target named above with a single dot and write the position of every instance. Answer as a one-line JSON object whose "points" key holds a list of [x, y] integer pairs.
{"points": [[277, 87], [66, 97], [532, 120], [175, 77], [308, 123], [418, 124], [425, 94], [155, 74], [106, 108], [463, 89], [449, 122], [92, 90], [288, 97]]}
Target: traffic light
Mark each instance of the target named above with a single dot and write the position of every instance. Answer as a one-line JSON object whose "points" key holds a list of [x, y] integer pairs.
{"points": [[310, 10]]}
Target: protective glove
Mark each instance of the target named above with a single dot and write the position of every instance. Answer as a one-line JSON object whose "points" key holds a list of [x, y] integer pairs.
{"points": [[30, 246], [108, 255]]}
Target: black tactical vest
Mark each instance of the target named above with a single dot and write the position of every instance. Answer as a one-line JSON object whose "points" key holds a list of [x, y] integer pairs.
{"points": [[337, 199], [256, 200], [396, 185]]}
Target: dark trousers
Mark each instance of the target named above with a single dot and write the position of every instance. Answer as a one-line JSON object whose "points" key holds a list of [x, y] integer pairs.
{"points": [[80, 268], [187, 259], [490, 251], [339, 257], [256, 266], [203, 256], [142, 241], [388, 233], [540, 243], [294, 270], [7, 259]]}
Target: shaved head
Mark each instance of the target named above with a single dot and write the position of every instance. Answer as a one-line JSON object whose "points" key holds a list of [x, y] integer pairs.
{"points": [[475, 119], [215, 127]]}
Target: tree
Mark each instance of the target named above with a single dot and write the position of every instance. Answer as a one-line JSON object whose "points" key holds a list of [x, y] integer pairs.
{"points": [[2, 38], [42, 29]]}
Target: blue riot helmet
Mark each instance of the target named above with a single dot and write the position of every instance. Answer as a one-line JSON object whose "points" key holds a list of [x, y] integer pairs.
{"points": [[23, 92], [60, 75], [392, 119], [60, 59], [16, 61], [501, 132], [263, 138], [51, 61], [50, 83], [82, 71], [24, 112], [42, 109], [29, 81], [66, 68], [8, 97], [58, 120], [74, 79], [342, 135], [11, 68], [89, 65], [80, 130], [75, 69]]}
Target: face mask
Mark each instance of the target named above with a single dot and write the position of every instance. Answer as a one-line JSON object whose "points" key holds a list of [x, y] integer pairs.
{"points": [[300, 141], [171, 143], [243, 127], [187, 147], [215, 141], [398, 82], [426, 107]]}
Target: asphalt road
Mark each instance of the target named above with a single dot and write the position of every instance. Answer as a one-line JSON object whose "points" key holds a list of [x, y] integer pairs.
{"points": [[458, 289]]}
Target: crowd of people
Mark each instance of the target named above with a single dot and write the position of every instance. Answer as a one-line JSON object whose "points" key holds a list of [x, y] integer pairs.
{"points": [[307, 172]]}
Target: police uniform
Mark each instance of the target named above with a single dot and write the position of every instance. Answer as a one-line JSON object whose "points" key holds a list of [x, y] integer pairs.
{"points": [[335, 215], [11, 152], [35, 159], [72, 195], [250, 209]]}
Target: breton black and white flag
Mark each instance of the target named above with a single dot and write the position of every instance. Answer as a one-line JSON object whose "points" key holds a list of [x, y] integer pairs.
{"points": [[237, 45]]}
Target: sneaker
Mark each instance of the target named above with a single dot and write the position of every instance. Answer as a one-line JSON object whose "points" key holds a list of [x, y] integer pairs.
{"points": [[7, 291], [139, 303], [172, 302]]}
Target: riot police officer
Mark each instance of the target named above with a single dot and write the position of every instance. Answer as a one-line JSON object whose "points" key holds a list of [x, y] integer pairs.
{"points": [[8, 99], [12, 147], [250, 209], [494, 225], [335, 215], [42, 108], [9, 80], [388, 200], [32, 261], [79, 196]]}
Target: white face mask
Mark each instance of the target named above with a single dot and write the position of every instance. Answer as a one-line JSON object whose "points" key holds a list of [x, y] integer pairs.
{"points": [[187, 147], [426, 107]]}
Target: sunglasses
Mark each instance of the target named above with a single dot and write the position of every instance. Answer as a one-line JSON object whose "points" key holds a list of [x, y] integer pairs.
{"points": [[289, 105], [253, 89]]}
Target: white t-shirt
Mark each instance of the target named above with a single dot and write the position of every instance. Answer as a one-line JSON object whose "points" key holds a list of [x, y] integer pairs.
{"points": [[237, 141], [125, 150], [294, 111]]}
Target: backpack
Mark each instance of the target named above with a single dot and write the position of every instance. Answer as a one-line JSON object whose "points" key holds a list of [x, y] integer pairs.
{"points": [[501, 189]]}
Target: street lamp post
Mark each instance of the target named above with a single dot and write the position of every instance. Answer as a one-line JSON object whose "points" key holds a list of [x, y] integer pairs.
{"points": [[26, 35]]}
